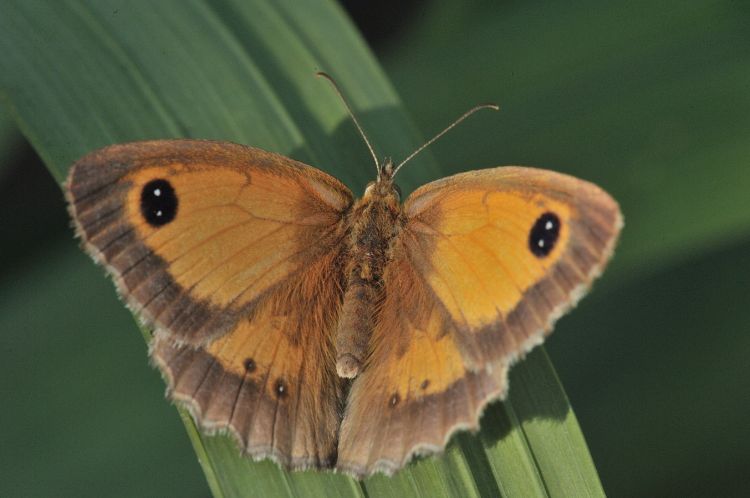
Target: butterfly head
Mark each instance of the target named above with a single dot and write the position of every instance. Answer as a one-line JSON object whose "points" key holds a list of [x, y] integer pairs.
{"points": [[384, 186]]}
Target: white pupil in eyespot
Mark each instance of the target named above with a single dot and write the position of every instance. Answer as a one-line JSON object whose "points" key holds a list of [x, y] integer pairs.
{"points": [[157, 192], [548, 226]]}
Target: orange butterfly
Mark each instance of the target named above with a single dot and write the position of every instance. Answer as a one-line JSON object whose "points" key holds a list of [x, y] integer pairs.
{"points": [[325, 332]]}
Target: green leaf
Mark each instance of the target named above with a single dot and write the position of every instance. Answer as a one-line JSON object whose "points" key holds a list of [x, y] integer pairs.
{"points": [[84, 415], [9, 135], [80, 75]]}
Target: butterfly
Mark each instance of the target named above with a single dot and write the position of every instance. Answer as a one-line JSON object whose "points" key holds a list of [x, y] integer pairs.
{"points": [[324, 331]]}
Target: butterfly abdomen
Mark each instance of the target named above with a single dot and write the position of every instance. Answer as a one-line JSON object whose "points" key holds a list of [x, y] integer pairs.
{"points": [[375, 222]]}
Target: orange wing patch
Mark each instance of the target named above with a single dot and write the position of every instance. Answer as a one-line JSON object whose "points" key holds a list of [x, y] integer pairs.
{"points": [[480, 238], [236, 233]]}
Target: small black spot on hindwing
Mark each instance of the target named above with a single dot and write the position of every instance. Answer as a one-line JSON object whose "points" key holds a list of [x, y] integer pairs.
{"points": [[393, 401], [158, 202], [250, 365], [280, 389], [544, 234]]}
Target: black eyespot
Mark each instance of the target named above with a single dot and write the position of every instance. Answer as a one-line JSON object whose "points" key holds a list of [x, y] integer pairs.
{"points": [[280, 389], [158, 202], [425, 384], [544, 234], [250, 365]]}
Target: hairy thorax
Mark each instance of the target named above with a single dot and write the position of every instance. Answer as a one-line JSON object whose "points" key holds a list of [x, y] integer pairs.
{"points": [[376, 220]]}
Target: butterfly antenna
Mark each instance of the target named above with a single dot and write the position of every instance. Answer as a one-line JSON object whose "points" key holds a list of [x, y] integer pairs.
{"points": [[351, 113], [468, 113]]}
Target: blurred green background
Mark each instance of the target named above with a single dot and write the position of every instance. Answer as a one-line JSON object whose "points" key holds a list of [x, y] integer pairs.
{"points": [[651, 101]]}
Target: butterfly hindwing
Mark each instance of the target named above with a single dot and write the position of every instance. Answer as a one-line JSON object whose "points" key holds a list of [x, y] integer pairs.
{"points": [[271, 381]]}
